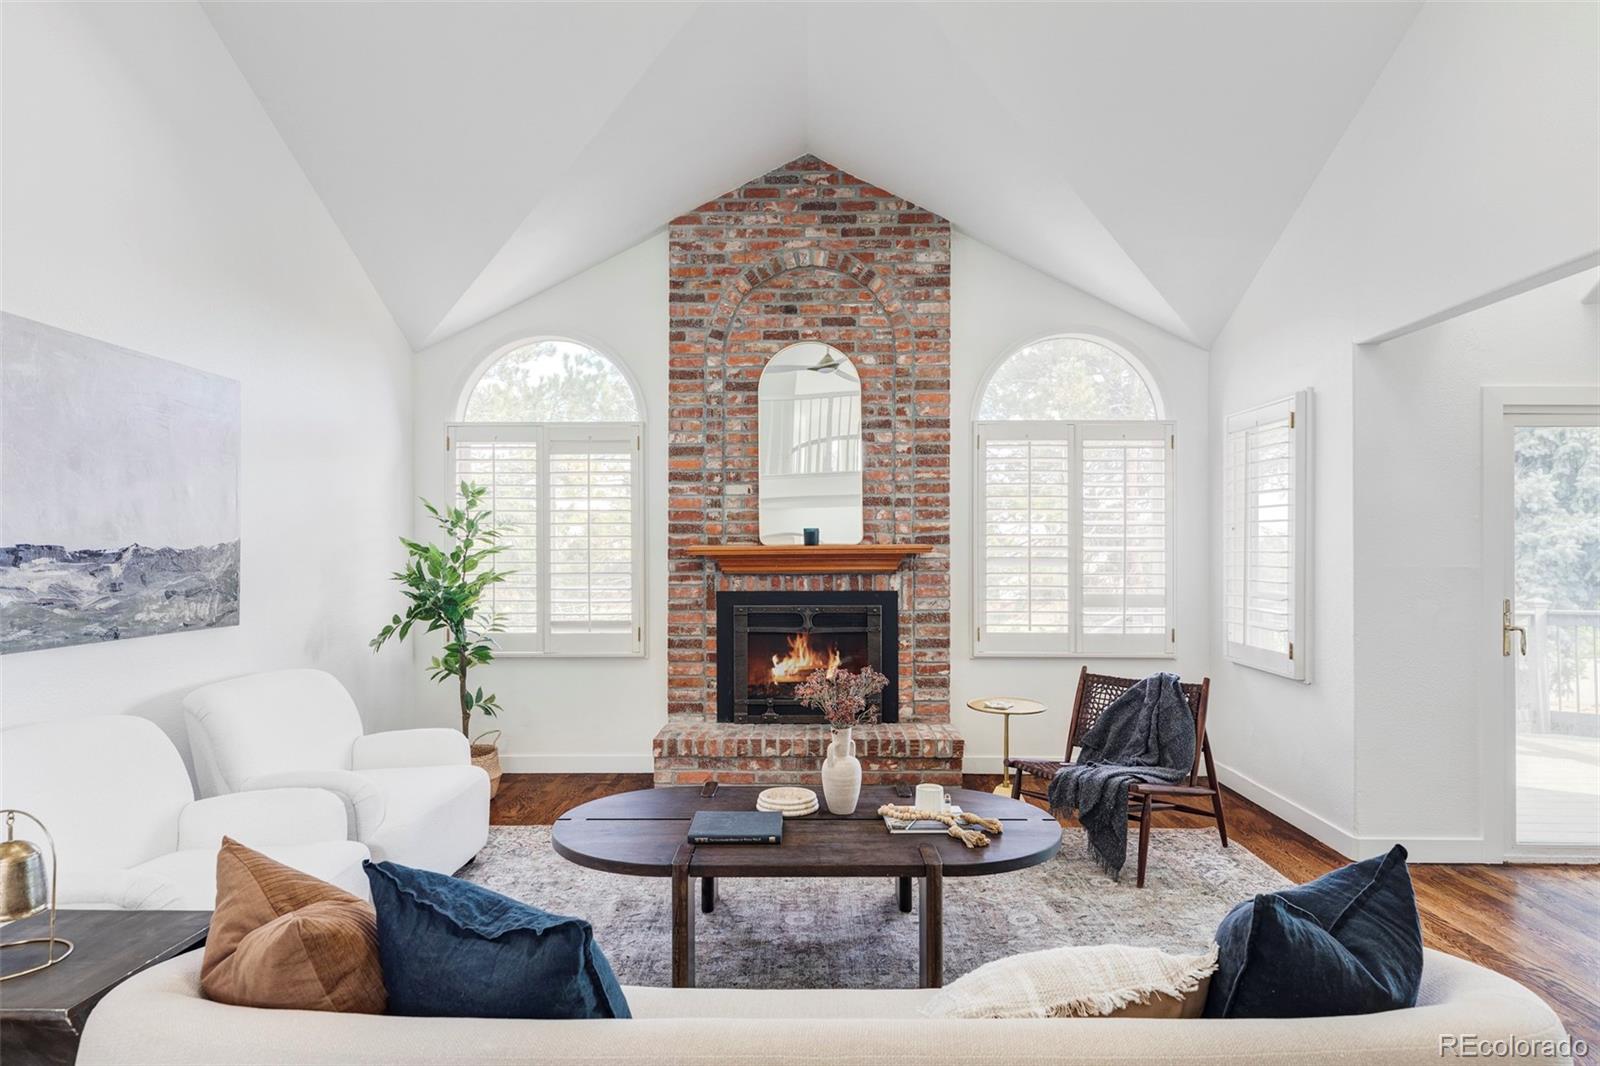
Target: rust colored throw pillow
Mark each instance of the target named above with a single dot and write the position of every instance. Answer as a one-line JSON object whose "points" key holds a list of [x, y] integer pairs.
{"points": [[282, 938]]}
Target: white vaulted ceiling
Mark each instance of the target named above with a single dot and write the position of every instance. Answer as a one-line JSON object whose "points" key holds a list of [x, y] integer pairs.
{"points": [[476, 154]]}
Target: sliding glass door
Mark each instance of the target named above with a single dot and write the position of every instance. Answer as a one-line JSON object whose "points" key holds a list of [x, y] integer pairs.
{"points": [[1550, 624]]}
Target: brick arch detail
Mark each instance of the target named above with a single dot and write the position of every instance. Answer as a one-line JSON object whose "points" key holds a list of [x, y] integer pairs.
{"points": [[734, 294]]}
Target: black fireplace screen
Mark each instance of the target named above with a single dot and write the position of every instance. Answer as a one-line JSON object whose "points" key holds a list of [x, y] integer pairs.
{"points": [[768, 642]]}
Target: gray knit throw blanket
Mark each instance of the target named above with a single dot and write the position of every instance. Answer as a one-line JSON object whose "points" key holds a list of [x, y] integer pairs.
{"points": [[1146, 734]]}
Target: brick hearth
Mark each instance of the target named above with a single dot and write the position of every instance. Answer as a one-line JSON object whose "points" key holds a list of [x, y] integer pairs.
{"points": [[690, 751], [808, 252]]}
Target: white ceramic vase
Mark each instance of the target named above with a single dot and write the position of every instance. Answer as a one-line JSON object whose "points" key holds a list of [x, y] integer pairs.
{"points": [[841, 774]]}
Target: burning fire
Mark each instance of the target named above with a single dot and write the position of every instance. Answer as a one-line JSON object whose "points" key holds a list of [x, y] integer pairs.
{"points": [[802, 660]]}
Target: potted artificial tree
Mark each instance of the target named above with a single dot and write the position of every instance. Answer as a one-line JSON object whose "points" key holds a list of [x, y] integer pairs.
{"points": [[445, 586]]}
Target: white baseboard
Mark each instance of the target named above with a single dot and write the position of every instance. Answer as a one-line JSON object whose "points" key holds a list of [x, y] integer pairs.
{"points": [[983, 764], [1419, 849], [1339, 839], [1475, 850], [577, 764], [1433, 849]]}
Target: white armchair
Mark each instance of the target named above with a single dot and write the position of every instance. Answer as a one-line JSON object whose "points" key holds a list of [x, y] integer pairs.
{"points": [[115, 796], [411, 795]]}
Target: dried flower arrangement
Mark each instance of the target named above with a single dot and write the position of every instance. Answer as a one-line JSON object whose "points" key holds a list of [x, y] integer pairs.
{"points": [[844, 697]]}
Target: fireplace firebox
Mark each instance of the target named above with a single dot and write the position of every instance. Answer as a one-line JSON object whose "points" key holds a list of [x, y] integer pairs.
{"points": [[768, 642]]}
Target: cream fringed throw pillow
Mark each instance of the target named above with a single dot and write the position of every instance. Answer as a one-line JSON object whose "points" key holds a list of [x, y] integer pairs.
{"points": [[1077, 982]]}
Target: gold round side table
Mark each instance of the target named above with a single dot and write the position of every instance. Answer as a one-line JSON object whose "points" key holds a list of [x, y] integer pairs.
{"points": [[1006, 706]]}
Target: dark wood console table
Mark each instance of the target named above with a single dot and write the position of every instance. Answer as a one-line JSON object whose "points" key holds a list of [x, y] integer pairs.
{"points": [[42, 1015], [644, 833]]}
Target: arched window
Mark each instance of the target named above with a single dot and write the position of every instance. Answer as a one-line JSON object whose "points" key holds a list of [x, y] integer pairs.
{"points": [[551, 380], [1073, 505], [552, 428], [1066, 379]]}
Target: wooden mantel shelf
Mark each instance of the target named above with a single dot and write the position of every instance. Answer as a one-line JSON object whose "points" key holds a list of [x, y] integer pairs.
{"points": [[808, 558]]}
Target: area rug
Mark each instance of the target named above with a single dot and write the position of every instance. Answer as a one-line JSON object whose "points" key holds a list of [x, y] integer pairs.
{"points": [[820, 933]]}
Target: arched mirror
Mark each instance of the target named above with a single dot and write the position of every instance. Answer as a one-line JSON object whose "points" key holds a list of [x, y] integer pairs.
{"points": [[810, 413]]}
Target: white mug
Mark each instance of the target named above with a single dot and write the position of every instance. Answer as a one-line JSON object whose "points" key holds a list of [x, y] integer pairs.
{"points": [[931, 798]]}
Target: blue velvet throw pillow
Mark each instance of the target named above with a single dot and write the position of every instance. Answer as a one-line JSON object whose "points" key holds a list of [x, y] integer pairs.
{"points": [[450, 948], [1349, 942]]}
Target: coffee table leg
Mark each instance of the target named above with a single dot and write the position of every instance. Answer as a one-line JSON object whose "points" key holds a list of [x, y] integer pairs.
{"points": [[905, 895], [930, 921], [682, 920], [708, 894]]}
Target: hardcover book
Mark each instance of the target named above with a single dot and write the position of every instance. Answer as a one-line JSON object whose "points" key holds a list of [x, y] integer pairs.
{"points": [[736, 827]]}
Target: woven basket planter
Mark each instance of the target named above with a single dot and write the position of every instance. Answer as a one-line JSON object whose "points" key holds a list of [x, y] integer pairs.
{"points": [[488, 757]]}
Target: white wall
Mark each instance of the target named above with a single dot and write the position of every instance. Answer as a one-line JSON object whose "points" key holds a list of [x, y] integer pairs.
{"points": [[1287, 745], [566, 715], [1420, 643], [1472, 165], [997, 306], [600, 715], [148, 202]]}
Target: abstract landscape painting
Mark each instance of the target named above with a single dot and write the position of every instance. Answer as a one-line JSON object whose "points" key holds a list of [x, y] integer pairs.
{"points": [[119, 492]]}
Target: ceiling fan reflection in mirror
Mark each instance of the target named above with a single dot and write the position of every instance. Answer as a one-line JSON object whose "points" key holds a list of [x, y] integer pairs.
{"points": [[830, 363]]}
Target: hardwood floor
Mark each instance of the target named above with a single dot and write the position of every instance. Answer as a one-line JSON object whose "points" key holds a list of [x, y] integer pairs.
{"points": [[1538, 924], [538, 799]]}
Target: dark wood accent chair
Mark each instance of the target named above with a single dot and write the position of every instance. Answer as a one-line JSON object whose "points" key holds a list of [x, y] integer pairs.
{"points": [[1095, 694]]}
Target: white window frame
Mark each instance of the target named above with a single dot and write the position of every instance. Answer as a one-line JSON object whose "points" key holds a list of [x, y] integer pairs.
{"points": [[1295, 663], [544, 643], [1074, 642]]}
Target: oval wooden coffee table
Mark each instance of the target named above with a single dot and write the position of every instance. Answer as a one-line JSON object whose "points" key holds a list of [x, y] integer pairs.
{"points": [[644, 833]]}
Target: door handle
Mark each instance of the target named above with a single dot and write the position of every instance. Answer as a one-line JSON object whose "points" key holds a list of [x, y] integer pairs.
{"points": [[1506, 629]]}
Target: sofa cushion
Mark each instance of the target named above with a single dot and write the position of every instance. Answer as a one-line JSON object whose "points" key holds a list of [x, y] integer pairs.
{"points": [[654, 1002], [190, 875], [264, 723], [1105, 980], [437, 816], [282, 938], [452, 948], [111, 788], [1349, 942], [158, 1016]]}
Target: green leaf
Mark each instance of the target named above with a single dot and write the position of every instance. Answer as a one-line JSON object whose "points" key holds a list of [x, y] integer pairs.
{"points": [[443, 587]]}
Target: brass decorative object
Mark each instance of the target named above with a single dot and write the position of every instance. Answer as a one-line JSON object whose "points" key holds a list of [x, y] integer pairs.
{"points": [[25, 891]]}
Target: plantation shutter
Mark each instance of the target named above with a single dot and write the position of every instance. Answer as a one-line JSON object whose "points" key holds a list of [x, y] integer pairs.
{"points": [[1074, 542], [594, 544], [1024, 520], [567, 497], [505, 461], [1264, 499], [1125, 493]]}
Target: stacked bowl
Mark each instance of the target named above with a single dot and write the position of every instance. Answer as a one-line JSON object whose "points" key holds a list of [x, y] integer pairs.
{"points": [[789, 801]]}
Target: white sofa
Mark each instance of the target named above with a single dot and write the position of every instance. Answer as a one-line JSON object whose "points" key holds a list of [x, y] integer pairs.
{"points": [[411, 795], [160, 1017], [114, 794]]}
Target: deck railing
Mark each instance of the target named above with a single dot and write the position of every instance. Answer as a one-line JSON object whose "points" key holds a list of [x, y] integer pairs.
{"points": [[1561, 674]]}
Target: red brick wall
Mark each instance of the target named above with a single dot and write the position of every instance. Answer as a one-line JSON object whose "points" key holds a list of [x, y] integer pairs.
{"points": [[809, 252]]}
